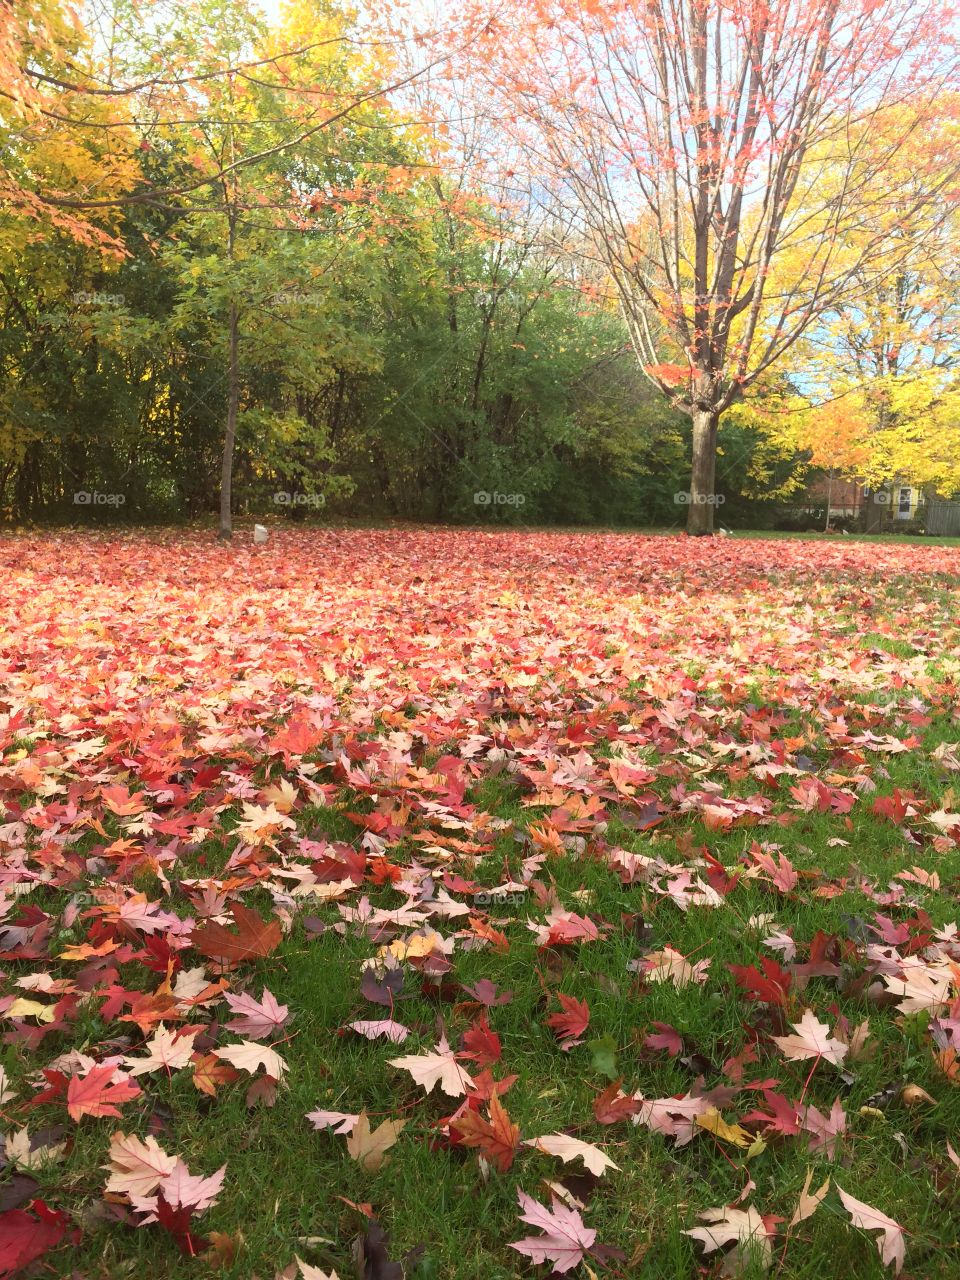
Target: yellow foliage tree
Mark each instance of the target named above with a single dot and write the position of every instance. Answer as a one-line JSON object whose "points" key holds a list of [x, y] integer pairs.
{"points": [[880, 371]]}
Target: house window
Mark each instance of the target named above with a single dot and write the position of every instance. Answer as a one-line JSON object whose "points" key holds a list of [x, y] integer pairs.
{"points": [[904, 502]]}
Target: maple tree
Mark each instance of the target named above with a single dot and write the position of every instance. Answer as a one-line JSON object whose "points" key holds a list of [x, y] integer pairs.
{"points": [[878, 371], [691, 146], [56, 130]]}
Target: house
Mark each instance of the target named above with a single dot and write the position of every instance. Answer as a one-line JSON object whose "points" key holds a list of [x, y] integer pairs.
{"points": [[848, 498]]}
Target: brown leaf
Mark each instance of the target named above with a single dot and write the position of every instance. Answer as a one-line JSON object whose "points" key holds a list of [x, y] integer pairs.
{"points": [[255, 937], [223, 1249], [263, 1089], [611, 1106]]}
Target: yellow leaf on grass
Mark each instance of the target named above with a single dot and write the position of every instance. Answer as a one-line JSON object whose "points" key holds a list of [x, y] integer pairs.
{"points": [[414, 949], [714, 1123], [31, 1009]]}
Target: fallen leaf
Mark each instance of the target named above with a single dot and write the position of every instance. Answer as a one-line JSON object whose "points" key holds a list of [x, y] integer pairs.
{"points": [[565, 1239], [369, 1147], [812, 1040], [249, 1056], [259, 1018], [567, 1148], [497, 1138], [891, 1244], [714, 1123], [441, 1067], [254, 939], [137, 1166], [809, 1200], [745, 1227], [99, 1092], [569, 1026]]}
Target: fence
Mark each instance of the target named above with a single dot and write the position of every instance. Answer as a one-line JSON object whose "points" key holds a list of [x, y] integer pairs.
{"points": [[943, 519]]}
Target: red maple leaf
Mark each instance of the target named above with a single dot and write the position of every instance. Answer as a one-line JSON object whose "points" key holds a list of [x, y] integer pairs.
{"points": [[94, 1095], [25, 1238], [570, 1025], [818, 966], [177, 1222], [665, 1037], [769, 987], [481, 1043], [485, 1087], [784, 1117]]}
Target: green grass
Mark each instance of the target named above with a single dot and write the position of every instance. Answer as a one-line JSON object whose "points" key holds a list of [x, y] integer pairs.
{"points": [[285, 1178]]}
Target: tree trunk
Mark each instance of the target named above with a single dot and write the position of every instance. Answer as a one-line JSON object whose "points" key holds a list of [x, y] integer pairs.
{"points": [[233, 402], [872, 511], [826, 527], [703, 473]]}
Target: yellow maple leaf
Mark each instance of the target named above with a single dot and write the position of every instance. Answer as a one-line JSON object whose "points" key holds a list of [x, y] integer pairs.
{"points": [[714, 1123]]}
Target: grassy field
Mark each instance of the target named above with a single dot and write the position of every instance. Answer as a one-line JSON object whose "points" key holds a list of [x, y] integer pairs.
{"points": [[740, 750]]}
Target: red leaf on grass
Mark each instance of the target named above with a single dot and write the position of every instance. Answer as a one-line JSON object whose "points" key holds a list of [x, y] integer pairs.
{"points": [[769, 987], [94, 1095], [24, 1237], [665, 1037], [783, 1118], [481, 1044], [569, 1026]]}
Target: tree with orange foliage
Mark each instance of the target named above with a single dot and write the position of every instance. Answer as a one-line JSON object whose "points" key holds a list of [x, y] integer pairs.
{"points": [[690, 144], [835, 435]]}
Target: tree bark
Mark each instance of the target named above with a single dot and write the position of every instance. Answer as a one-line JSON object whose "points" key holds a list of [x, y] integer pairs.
{"points": [[703, 473], [826, 527], [230, 435], [872, 511]]}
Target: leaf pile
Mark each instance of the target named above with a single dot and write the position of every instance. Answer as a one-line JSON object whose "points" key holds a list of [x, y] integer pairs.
{"points": [[596, 798]]}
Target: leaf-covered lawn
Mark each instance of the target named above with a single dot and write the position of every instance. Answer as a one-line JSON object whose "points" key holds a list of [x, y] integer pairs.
{"points": [[457, 904]]}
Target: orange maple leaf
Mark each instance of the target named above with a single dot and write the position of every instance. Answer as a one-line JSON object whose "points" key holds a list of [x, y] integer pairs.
{"points": [[497, 1139], [671, 375], [484, 930], [209, 1072]]}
